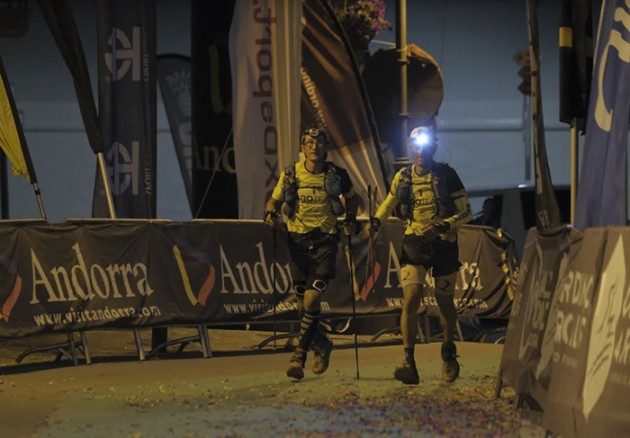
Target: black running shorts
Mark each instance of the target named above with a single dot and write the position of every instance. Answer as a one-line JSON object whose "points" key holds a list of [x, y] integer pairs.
{"points": [[440, 255], [313, 256]]}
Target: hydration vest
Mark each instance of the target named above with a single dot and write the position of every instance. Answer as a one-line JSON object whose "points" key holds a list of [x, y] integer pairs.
{"points": [[332, 186], [439, 181]]}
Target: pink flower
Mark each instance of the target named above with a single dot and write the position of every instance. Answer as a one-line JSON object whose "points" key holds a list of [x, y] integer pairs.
{"points": [[361, 19]]}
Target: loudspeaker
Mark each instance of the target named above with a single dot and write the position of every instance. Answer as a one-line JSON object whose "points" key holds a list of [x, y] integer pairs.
{"points": [[425, 90]]}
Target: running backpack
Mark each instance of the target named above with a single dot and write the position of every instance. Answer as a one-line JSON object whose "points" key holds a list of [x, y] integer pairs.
{"points": [[404, 192], [332, 186]]}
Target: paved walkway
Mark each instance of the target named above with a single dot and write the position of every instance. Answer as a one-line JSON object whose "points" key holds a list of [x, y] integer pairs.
{"points": [[242, 391]]}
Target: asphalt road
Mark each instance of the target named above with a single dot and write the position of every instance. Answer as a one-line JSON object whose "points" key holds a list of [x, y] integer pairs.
{"points": [[243, 391]]}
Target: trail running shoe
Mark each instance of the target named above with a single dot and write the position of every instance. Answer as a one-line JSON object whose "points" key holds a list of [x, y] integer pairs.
{"points": [[450, 366], [321, 355], [407, 372], [296, 364]]}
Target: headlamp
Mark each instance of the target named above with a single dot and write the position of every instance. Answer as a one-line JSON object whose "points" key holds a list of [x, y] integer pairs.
{"points": [[316, 133], [312, 132], [421, 137]]}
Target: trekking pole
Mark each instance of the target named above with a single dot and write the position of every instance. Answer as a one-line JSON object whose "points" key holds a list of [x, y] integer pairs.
{"points": [[373, 265], [354, 308], [371, 212], [274, 296], [371, 269], [368, 260]]}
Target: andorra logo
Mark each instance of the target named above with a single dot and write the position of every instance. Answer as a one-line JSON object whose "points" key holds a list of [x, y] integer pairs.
{"points": [[602, 339], [125, 54], [204, 291], [374, 273], [11, 269]]}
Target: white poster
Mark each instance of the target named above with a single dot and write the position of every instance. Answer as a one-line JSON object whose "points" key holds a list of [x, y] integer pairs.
{"points": [[265, 57]]}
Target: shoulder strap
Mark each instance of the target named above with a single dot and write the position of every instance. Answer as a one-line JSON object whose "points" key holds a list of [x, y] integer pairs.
{"points": [[289, 188], [331, 167], [289, 170], [441, 168], [406, 171], [404, 193], [332, 185], [446, 206]]}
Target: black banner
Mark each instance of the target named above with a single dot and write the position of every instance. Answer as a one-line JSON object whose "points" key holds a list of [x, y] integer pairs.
{"points": [[571, 349], [521, 364], [214, 188], [127, 106], [68, 277], [174, 78], [570, 322]]}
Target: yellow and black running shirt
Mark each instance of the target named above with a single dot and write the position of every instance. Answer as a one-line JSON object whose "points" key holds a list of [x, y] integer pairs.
{"points": [[312, 207], [425, 206]]}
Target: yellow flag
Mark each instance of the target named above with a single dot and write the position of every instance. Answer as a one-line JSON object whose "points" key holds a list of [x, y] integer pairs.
{"points": [[11, 140]]}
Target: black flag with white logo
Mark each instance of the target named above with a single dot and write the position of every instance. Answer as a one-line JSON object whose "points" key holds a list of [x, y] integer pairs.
{"points": [[214, 189], [127, 106]]}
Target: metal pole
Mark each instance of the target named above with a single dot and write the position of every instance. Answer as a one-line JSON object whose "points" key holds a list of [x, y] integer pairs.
{"points": [[527, 136], [274, 253], [575, 149], [40, 204], [354, 308], [625, 197], [108, 193], [401, 47], [4, 180]]}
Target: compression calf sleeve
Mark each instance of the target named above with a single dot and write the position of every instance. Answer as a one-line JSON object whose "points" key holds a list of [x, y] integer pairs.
{"points": [[308, 327]]}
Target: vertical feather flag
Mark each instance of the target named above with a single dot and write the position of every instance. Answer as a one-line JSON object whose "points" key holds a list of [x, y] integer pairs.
{"points": [[602, 189], [58, 15], [547, 211], [174, 78], [214, 180], [126, 35], [265, 55], [334, 97], [12, 139]]}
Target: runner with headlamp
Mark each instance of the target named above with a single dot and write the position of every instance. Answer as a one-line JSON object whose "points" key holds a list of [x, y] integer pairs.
{"points": [[310, 191], [433, 201]]}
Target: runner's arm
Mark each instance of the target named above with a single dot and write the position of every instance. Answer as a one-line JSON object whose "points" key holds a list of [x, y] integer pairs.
{"points": [[386, 209], [275, 200], [462, 213]]}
